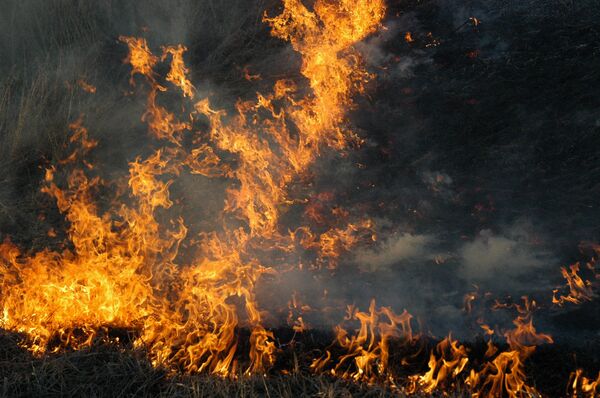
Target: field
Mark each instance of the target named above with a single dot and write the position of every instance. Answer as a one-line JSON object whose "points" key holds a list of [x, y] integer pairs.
{"points": [[476, 158]]}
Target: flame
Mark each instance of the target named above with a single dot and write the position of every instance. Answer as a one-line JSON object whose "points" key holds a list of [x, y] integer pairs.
{"points": [[331, 244], [367, 348], [296, 309], [582, 387], [249, 76], [579, 290], [502, 375], [122, 266], [324, 38], [178, 74], [444, 368], [505, 374], [87, 87], [140, 58]]}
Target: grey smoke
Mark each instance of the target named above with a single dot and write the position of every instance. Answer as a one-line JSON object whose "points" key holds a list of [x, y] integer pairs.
{"points": [[433, 245], [507, 256], [393, 250]]}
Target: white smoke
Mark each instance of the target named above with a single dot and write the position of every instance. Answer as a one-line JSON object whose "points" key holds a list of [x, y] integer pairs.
{"points": [[393, 250]]}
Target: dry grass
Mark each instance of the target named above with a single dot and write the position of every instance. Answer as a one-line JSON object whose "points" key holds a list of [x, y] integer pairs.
{"points": [[109, 371]]}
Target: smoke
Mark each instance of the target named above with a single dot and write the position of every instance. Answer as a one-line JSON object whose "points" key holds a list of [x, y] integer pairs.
{"points": [[48, 48], [503, 260], [393, 250], [465, 135]]}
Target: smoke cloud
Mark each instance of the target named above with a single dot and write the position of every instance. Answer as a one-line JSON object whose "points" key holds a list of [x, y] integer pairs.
{"points": [[394, 250]]}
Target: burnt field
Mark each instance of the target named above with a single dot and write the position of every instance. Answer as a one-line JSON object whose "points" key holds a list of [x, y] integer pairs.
{"points": [[300, 198]]}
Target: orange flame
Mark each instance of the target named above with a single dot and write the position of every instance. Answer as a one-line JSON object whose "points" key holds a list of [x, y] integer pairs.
{"points": [[178, 73], [87, 87], [505, 374], [367, 350], [582, 387], [579, 290], [443, 370], [124, 268]]}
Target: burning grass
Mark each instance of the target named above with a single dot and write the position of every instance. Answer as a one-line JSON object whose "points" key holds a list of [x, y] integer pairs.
{"points": [[135, 290], [107, 370]]}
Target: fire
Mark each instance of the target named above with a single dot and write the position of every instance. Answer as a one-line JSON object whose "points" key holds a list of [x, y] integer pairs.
{"points": [[367, 348], [123, 267], [580, 290], [444, 368], [140, 58], [249, 76], [503, 373], [324, 38], [581, 386], [296, 310], [87, 87], [178, 75]]}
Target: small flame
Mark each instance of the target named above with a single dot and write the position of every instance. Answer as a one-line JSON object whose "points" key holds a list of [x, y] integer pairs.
{"points": [[582, 387], [444, 368], [87, 87], [579, 290], [367, 348]]}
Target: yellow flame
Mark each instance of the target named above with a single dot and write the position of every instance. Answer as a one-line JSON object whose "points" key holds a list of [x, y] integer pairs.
{"points": [[122, 265], [582, 387], [579, 290], [367, 348]]}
